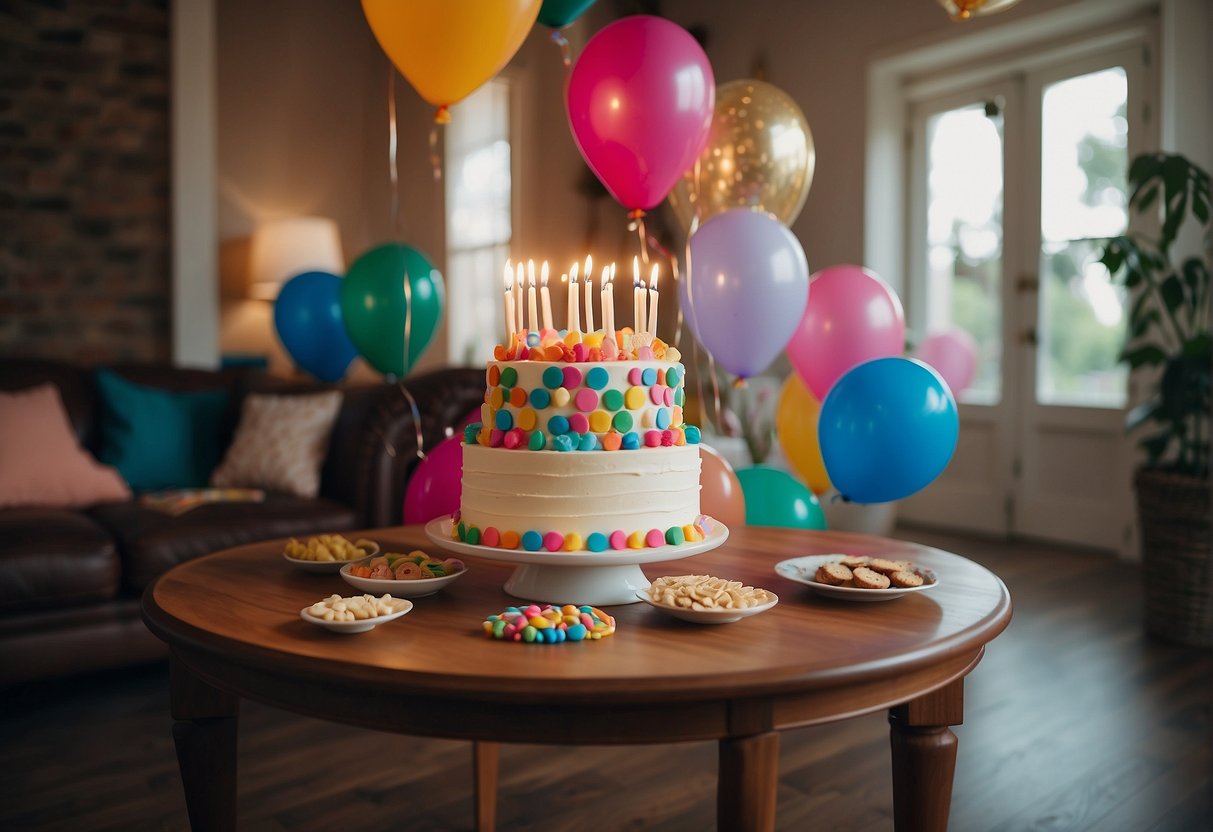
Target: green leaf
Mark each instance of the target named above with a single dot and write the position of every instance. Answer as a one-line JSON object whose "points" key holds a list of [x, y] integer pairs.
{"points": [[1144, 200], [1155, 446], [1148, 355], [1173, 295], [1199, 347], [1196, 276], [1200, 205], [1140, 323], [1144, 168]]}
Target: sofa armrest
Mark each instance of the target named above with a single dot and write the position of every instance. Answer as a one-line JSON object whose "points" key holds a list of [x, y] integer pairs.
{"points": [[388, 453]]}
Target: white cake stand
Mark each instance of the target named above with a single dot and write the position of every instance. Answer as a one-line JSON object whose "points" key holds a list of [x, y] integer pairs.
{"points": [[596, 578]]}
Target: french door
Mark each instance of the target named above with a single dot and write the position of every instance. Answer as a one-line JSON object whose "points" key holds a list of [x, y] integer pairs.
{"points": [[1011, 178]]}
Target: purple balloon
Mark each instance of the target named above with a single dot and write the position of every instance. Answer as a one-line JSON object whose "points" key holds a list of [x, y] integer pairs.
{"points": [[746, 288], [436, 485]]}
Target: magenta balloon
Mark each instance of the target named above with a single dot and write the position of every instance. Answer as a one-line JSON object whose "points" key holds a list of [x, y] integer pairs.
{"points": [[435, 488], [853, 317], [745, 289], [640, 103], [953, 353]]}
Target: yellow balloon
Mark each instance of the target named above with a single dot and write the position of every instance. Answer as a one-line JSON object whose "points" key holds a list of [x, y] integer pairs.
{"points": [[760, 154], [796, 424], [448, 48]]}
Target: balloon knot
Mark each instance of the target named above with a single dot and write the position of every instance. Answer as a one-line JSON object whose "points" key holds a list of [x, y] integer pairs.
{"points": [[635, 214], [442, 115], [740, 384]]}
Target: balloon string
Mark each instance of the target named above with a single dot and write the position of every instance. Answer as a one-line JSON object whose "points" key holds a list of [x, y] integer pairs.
{"points": [[560, 40], [435, 156], [408, 322], [420, 436], [667, 254], [391, 151]]}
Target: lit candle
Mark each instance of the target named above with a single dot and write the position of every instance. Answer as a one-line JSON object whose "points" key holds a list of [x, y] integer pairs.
{"points": [[546, 297], [574, 324], [589, 303], [519, 325], [608, 306], [638, 324], [509, 304], [653, 302], [531, 306]]}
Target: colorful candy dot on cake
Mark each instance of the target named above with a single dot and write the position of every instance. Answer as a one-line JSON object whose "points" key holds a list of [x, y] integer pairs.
{"points": [[596, 542], [672, 354], [667, 438], [652, 438], [674, 536], [496, 437], [680, 397], [537, 441], [648, 376], [680, 437], [517, 397], [622, 421], [573, 542], [494, 375], [705, 524], [692, 433], [552, 378], [645, 354], [472, 537], [672, 377], [509, 377], [490, 536], [540, 398], [514, 439], [667, 396], [600, 421], [571, 376], [560, 396], [470, 432], [635, 376], [461, 530], [486, 435], [636, 540], [580, 352], [634, 399], [618, 540], [510, 540], [585, 400], [504, 420], [588, 442], [558, 425], [500, 353], [657, 394], [552, 541], [496, 398], [648, 419], [527, 419], [563, 442], [572, 338], [676, 415], [578, 423], [654, 538], [692, 534], [631, 441], [662, 419], [532, 541], [532, 339], [612, 399], [612, 441], [596, 378]]}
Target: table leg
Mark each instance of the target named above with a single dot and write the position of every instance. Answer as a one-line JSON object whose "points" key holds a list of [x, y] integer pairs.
{"points": [[924, 758], [205, 736], [748, 780], [485, 757]]}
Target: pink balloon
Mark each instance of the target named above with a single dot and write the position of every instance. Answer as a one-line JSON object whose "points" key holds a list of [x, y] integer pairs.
{"points": [[640, 103], [852, 316], [953, 354], [435, 488]]}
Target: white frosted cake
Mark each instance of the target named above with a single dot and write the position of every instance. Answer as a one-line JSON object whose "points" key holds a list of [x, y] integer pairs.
{"points": [[580, 454]]}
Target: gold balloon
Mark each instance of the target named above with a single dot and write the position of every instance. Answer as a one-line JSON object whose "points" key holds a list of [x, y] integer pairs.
{"points": [[759, 155]]}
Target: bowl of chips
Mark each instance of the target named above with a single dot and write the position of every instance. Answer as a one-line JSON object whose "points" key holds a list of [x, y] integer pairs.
{"points": [[327, 552], [704, 599]]}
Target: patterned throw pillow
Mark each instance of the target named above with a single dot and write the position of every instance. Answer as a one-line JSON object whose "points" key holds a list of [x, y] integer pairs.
{"points": [[280, 443]]}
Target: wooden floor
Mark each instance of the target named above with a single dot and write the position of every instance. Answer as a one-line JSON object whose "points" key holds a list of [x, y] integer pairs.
{"points": [[1075, 721]]}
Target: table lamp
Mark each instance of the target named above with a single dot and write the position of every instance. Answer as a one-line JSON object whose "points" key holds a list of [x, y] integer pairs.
{"points": [[284, 248]]}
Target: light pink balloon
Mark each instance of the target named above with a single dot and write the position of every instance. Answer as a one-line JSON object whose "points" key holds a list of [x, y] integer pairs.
{"points": [[852, 316], [953, 353], [436, 486], [640, 103]]}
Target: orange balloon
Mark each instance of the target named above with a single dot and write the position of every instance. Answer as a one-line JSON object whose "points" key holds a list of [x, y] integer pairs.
{"points": [[796, 426], [720, 496]]}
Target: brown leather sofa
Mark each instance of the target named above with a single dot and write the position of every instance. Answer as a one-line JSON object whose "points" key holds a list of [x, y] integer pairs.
{"points": [[70, 579]]}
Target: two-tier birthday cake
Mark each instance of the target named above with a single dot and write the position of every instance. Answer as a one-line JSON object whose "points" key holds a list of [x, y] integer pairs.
{"points": [[582, 445]]}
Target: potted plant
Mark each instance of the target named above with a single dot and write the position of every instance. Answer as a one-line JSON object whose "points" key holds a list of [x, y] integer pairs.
{"points": [[1169, 340]]}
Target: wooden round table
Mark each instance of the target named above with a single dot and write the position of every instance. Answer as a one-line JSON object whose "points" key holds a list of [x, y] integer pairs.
{"points": [[232, 622]]}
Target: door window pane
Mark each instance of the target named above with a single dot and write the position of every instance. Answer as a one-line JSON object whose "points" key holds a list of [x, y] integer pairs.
{"points": [[964, 235], [1084, 156]]}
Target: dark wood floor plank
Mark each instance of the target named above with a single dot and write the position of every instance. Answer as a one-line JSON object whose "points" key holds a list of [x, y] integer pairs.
{"points": [[1074, 720]]}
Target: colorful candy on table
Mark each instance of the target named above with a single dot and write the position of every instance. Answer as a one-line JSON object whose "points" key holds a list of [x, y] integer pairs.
{"points": [[552, 541], [414, 566], [528, 338], [535, 624], [605, 419]]}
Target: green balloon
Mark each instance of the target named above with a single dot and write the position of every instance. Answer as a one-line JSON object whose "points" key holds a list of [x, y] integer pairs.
{"points": [[374, 310], [776, 498], [560, 13]]}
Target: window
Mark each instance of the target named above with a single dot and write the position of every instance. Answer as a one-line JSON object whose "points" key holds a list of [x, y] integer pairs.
{"points": [[479, 219]]}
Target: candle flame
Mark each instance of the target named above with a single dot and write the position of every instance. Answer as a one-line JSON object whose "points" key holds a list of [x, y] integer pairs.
{"points": [[635, 269], [519, 276], [544, 272], [612, 272], [606, 275], [653, 278], [509, 276], [573, 273], [589, 264], [530, 270]]}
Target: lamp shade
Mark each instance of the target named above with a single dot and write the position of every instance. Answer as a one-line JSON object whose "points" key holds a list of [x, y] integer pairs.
{"points": [[284, 248]]}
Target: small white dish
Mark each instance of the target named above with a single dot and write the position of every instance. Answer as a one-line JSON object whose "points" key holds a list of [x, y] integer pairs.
{"points": [[716, 616], [801, 570], [355, 626], [416, 588], [330, 566]]}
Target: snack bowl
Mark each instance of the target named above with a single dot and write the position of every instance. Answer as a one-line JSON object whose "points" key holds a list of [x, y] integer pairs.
{"points": [[709, 616], [803, 569], [357, 625], [369, 547], [396, 587]]}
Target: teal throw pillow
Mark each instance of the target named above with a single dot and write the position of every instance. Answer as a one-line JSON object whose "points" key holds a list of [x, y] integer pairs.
{"points": [[158, 438]]}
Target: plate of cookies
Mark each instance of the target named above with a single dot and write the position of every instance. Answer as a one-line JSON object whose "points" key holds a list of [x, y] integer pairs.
{"points": [[857, 577]]}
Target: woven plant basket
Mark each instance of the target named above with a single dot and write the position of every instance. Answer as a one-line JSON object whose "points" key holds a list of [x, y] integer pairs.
{"points": [[1177, 557]]}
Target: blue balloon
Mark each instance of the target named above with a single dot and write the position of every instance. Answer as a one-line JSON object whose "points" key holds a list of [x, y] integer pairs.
{"points": [[307, 315], [887, 429], [776, 498]]}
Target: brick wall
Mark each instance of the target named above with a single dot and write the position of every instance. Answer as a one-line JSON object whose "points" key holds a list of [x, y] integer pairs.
{"points": [[84, 179]]}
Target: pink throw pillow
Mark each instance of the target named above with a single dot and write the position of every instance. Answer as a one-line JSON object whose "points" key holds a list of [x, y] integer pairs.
{"points": [[41, 463]]}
